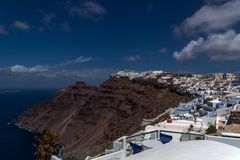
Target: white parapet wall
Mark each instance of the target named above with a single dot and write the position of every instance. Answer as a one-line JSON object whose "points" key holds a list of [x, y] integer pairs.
{"points": [[230, 141], [55, 158], [120, 155], [116, 155]]}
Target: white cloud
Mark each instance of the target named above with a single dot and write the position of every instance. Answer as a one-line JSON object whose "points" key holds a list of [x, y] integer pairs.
{"points": [[19, 68], [219, 47], [133, 58], [188, 52], [21, 25], [80, 59], [88, 9], [215, 1], [38, 68], [3, 31], [49, 72], [212, 17], [43, 68], [22, 69]]}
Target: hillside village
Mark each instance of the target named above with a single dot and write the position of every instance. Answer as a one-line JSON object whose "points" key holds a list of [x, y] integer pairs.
{"points": [[217, 101], [213, 116]]}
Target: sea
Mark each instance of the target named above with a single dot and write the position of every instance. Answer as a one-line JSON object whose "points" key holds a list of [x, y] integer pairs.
{"points": [[18, 143]]}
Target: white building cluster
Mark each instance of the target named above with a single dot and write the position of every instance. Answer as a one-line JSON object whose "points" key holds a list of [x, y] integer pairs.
{"points": [[209, 125]]}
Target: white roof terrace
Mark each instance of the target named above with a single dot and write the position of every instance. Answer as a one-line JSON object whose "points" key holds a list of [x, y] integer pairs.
{"points": [[197, 150]]}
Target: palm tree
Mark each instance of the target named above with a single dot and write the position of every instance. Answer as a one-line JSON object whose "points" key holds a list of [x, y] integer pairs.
{"points": [[46, 144]]}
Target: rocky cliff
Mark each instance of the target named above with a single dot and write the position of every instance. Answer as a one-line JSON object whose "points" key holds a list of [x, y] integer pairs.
{"points": [[89, 118]]}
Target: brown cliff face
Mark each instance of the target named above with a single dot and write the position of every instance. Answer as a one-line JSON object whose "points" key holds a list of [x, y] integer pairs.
{"points": [[90, 118]]}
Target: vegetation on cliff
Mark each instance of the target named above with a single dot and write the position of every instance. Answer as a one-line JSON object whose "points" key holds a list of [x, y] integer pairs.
{"points": [[46, 145]]}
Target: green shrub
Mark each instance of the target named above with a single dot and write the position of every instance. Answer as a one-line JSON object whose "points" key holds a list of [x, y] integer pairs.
{"points": [[211, 129]]}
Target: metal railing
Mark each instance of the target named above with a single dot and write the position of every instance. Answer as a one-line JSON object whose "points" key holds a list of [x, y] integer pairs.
{"points": [[186, 136], [143, 136], [123, 151], [155, 135]]}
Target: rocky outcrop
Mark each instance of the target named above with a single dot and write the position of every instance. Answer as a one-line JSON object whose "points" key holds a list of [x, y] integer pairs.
{"points": [[90, 118]]}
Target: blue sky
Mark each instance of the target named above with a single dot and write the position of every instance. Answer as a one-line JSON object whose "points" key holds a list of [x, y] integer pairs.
{"points": [[48, 44]]}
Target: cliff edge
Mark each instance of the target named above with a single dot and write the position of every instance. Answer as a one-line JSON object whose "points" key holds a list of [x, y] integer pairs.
{"points": [[89, 118]]}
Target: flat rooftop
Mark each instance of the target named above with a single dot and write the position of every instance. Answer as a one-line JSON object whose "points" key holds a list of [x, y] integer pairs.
{"points": [[197, 150]]}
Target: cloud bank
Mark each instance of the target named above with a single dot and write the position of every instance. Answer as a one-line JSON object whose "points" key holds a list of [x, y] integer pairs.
{"points": [[23, 69], [54, 76], [51, 78], [212, 17], [219, 47], [220, 42]]}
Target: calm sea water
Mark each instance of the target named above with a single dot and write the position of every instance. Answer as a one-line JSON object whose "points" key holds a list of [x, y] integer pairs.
{"points": [[17, 143]]}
